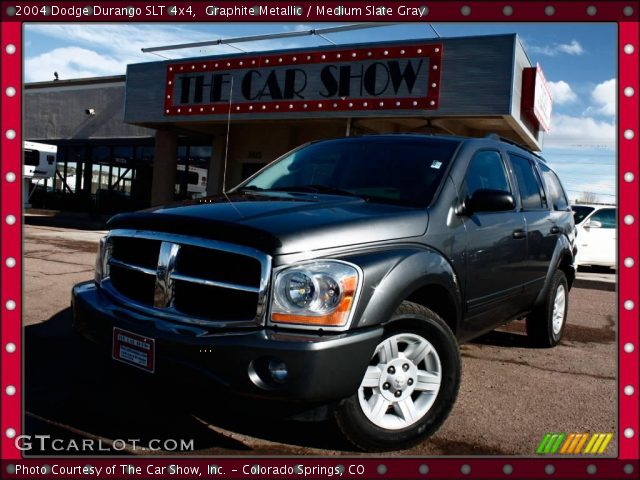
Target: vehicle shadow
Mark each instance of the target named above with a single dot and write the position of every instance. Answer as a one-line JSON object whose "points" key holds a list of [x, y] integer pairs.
{"points": [[596, 269], [71, 391], [508, 336]]}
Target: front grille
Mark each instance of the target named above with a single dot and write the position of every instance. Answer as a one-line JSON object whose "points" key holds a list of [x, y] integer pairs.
{"points": [[218, 266], [204, 301], [188, 279], [142, 252], [136, 285]]}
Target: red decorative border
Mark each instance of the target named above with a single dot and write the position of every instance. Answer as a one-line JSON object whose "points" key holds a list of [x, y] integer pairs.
{"points": [[628, 219], [625, 466], [373, 468], [439, 11], [11, 238], [432, 51]]}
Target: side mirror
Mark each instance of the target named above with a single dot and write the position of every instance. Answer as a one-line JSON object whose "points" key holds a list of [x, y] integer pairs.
{"points": [[593, 223], [486, 200]]}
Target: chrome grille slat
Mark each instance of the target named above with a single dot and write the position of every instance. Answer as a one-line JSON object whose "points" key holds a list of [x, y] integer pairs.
{"points": [[137, 268], [168, 279], [164, 294], [186, 278], [213, 283]]}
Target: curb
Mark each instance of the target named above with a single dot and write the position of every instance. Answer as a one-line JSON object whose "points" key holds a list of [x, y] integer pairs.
{"points": [[595, 285]]}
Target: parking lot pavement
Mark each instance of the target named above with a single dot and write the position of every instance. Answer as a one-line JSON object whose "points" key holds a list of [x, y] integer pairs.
{"points": [[54, 259], [510, 397]]}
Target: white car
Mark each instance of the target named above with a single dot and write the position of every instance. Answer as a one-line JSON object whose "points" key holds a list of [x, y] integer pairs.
{"points": [[596, 235]]}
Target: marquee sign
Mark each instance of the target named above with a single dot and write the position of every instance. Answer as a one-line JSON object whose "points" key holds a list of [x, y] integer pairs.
{"points": [[536, 96], [405, 77]]}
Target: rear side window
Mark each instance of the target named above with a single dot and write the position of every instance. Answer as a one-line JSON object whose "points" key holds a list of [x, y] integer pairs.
{"points": [[556, 193], [531, 192], [606, 216], [486, 171]]}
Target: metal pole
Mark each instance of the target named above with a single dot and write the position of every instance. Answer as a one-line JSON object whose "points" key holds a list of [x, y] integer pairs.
{"points": [[434, 29], [268, 36]]}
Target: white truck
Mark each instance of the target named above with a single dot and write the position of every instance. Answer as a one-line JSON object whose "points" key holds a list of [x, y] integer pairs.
{"points": [[39, 164]]}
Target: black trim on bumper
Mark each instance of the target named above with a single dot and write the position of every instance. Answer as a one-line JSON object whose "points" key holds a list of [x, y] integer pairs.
{"points": [[322, 367]]}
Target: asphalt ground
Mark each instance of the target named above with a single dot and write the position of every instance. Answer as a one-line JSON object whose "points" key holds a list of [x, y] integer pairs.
{"points": [[511, 395]]}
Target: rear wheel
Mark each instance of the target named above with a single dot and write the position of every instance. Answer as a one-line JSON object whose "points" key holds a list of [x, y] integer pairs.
{"points": [[409, 386], [546, 324]]}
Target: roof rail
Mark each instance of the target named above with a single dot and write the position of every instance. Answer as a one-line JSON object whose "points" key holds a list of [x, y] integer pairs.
{"points": [[495, 136]]}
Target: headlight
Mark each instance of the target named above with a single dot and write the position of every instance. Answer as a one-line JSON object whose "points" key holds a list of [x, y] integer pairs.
{"points": [[102, 260], [321, 293]]}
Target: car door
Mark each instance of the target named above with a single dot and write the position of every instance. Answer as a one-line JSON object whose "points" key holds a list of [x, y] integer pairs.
{"points": [[495, 247], [597, 239], [541, 226]]}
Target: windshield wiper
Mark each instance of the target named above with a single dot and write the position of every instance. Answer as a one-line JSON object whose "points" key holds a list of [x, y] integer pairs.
{"points": [[316, 188], [251, 188]]}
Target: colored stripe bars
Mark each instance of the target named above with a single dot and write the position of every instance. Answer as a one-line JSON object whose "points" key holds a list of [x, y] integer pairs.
{"points": [[574, 443]]}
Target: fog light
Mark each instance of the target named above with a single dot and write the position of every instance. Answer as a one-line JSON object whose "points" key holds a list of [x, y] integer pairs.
{"points": [[278, 371]]}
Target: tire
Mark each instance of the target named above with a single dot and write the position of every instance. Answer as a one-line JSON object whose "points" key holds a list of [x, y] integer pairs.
{"points": [[404, 398], [546, 324]]}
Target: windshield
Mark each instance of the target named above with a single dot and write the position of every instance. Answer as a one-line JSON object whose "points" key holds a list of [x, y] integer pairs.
{"points": [[579, 213], [404, 171]]}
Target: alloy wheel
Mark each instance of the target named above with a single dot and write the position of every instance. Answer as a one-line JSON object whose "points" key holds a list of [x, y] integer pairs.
{"points": [[559, 307], [401, 382]]}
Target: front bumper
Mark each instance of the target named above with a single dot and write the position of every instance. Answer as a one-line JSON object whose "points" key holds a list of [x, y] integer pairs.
{"points": [[321, 367]]}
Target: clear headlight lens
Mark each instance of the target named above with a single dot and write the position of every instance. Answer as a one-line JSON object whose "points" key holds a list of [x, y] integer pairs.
{"points": [[320, 293], [102, 259]]}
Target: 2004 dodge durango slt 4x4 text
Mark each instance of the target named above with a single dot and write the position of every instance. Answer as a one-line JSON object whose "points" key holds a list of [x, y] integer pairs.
{"points": [[346, 272]]}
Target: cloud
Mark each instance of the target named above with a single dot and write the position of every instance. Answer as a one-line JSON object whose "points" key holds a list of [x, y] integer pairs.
{"points": [[580, 132], [585, 170], [561, 92], [604, 95], [92, 50], [575, 185], [573, 48], [124, 40], [70, 62]]}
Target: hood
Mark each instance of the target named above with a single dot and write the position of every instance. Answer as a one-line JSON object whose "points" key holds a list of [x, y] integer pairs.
{"points": [[282, 223]]}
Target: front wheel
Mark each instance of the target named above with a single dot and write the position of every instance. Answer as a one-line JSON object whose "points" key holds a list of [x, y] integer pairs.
{"points": [[409, 387]]}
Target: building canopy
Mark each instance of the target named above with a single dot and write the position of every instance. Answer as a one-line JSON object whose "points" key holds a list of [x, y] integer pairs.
{"points": [[466, 86]]}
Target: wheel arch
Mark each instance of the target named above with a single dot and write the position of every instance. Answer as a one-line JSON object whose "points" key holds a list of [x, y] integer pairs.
{"points": [[566, 265], [562, 259], [437, 299], [421, 276]]}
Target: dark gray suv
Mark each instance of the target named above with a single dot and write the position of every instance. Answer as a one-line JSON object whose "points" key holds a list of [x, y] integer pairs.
{"points": [[346, 272]]}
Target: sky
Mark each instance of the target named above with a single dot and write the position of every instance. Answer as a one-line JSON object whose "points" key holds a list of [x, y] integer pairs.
{"points": [[579, 63]]}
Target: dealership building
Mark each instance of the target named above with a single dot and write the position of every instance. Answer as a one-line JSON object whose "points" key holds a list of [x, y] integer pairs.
{"points": [[177, 129]]}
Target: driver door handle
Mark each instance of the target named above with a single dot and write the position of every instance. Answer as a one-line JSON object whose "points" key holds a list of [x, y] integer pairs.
{"points": [[555, 229], [517, 234]]}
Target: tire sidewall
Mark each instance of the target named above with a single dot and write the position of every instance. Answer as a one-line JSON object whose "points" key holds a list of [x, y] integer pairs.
{"points": [[559, 279]]}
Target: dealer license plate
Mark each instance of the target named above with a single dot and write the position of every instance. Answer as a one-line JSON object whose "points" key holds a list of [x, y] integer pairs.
{"points": [[134, 349]]}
